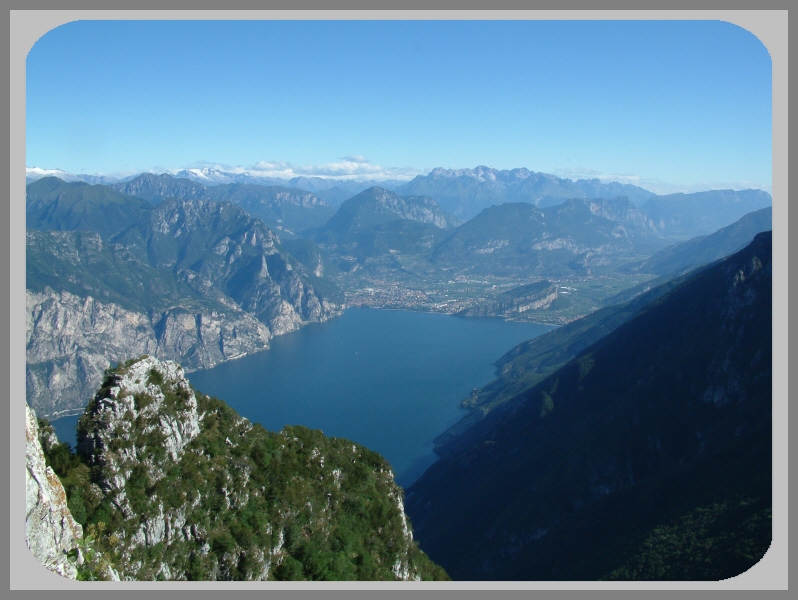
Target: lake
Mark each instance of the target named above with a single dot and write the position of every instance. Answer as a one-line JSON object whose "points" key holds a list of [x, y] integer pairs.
{"points": [[390, 380]]}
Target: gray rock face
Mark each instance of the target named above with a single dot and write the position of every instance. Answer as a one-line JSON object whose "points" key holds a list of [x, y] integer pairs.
{"points": [[136, 395], [415, 208], [72, 340], [50, 530], [196, 281], [505, 305]]}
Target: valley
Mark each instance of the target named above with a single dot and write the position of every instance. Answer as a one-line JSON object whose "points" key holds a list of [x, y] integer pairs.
{"points": [[258, 292], [398, 303], [576, 296]]}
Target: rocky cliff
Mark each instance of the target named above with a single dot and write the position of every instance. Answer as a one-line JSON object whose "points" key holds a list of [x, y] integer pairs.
{"points": [[181, 487], [71, 340], [196, 281], [534, 296], [50, 530]]}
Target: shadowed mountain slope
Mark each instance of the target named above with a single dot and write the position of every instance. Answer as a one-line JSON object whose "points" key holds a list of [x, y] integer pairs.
{"points": [[661, 428]]}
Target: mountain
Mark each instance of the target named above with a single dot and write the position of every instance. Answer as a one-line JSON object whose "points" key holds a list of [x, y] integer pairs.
{"points": [[90, 304], [466, 192], [647, 456], [289, 211], [334, 191], [198, 281], [702, 213], [377, 205], [51, 203], [573, 237], [532, 361], [706, 249], [156, 188], [379, 222], [235, 252], [171, 484]]}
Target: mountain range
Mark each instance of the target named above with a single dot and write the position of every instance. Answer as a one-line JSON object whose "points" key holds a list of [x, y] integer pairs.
{"points": [[466, 192], [701, 213], [574, 237], [289, 211], [194, 280], [705, 249], [634, 443], [331, 190]]}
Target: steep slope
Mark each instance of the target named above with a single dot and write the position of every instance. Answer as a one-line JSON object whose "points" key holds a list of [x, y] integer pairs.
{"points": [[517, 300], [532, 361], [664, 425], [54, 204], [235, 252], [573, 237], [706, 249], [175, 485], [378, 222], [702, 213]]}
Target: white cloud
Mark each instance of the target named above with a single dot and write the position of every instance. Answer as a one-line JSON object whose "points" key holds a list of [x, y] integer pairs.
{"points": [[349, 168], [355, 158]]}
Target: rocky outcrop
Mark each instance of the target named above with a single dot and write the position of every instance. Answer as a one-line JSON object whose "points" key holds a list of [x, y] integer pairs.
{"points": [[72, 340], [537, 297], [220, 499], [147, 392], [50, 530]]}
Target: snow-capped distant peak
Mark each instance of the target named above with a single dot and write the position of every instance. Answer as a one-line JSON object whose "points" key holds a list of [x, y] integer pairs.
{"points": [[206, 175]]}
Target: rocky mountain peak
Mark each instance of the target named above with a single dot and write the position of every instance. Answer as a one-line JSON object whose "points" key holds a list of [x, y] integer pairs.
{"points": [[145, 401], [415, 208]]}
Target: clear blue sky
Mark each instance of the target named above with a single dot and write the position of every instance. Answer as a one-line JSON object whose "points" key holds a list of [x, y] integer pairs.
{"points": [[674, 102]]}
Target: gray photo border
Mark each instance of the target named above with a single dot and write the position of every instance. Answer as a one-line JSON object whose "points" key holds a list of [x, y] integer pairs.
{"points": [[27, 574]]}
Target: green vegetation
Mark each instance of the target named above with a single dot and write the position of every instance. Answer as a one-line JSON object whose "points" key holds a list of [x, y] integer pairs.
{"points": [[243, 503], [709, 543], [54, 204]]}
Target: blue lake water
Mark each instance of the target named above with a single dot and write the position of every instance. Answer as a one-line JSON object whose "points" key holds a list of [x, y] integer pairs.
{"points": [[390, 380]]}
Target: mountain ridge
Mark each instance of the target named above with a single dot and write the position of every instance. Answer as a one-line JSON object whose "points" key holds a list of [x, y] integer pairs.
{"points": [[668, 414], [193, 280]]}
